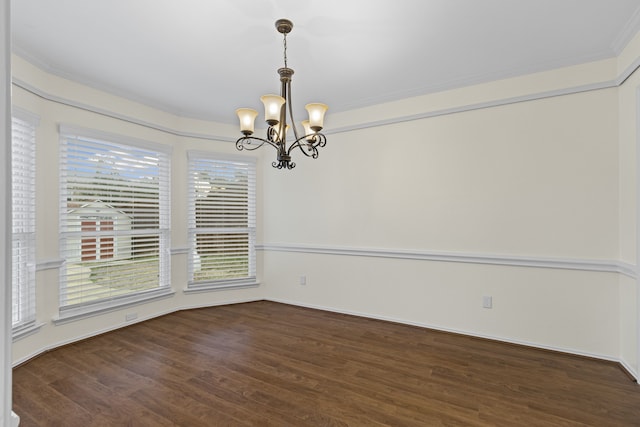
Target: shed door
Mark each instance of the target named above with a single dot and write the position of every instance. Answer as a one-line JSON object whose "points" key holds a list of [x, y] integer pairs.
{"points": [[97, 247]]}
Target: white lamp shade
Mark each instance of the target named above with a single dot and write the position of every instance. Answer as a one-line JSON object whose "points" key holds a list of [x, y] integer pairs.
{"points": [[272, 107], [247, 118], [316, 115]]}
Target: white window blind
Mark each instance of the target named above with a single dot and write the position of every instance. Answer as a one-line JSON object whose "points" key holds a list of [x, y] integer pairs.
{"points": [[23, 189], [222, 221], [114, 221]]}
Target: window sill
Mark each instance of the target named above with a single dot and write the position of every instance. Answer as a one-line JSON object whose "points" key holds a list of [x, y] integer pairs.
{"points": [[83, 312]]}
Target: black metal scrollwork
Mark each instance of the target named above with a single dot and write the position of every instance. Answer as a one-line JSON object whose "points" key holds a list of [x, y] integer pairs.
{"points": [[307, 144]]}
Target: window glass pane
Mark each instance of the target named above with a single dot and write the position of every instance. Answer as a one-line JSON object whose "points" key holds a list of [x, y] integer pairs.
{"points": [[221, 220], [114, 220], [23, 221]]}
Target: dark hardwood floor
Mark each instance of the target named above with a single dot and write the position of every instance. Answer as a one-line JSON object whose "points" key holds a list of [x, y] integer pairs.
{"points": [[269, 364]]}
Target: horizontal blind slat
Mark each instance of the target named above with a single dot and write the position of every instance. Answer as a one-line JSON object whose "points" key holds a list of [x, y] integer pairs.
{"points": [[114, 212], [23, 145], [221, 219]]}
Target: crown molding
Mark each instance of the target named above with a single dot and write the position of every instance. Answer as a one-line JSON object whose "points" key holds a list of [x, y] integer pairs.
{"points": [[628, 32], [50, 69], [480, 106], [608, 84], [388, 97], [475, 80]]}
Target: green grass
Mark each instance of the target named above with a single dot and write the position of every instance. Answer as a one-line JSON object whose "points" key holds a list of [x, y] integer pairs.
{"points": [[217, 267], [95, 280]]}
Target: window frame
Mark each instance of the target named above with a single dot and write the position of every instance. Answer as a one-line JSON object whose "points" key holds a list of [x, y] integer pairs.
{"points": [[215, 159], [23, 192], [67, 135]]}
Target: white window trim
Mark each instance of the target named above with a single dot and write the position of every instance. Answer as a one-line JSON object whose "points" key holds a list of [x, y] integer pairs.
{"points": [[226, 284], [30, 326], [91, 310], [81, 311]]}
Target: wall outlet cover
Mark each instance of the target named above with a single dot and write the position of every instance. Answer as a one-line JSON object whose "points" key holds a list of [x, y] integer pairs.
{"points": [[487, 302]]}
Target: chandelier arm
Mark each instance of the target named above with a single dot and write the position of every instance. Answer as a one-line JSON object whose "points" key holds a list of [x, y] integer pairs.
{"points": [[245, 143], [274, 135], [309, 149], [319, 140], [293, 145]]}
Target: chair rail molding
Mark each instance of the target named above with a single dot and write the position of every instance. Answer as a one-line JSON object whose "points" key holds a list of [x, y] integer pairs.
{"points": [[605, 266]]}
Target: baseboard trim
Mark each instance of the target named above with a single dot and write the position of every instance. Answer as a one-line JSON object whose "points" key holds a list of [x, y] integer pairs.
{"points": [[83, 337], [628, 370], [624, 366]]}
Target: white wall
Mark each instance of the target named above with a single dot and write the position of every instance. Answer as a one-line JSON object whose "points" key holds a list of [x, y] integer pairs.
{"points": [[536, 178], [629, 120], [523, 171], [52, 112]]}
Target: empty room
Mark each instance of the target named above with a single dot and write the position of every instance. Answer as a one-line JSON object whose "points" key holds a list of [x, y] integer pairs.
{"points": [[320, 213]]}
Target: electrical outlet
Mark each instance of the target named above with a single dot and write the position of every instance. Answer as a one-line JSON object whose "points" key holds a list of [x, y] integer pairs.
{"points": [[303, 280], [130, 316], [487, 302]]}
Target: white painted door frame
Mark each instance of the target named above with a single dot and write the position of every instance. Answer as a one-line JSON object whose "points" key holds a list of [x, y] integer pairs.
{"points": [[637, 266], [5, 213]]}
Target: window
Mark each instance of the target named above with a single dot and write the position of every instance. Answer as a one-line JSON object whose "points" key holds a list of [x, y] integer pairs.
{"points": [[222, 221], [114, 221], [23, 190]]}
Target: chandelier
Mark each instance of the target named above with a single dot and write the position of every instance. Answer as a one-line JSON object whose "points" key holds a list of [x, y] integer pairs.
{"points": [[276, 108]]}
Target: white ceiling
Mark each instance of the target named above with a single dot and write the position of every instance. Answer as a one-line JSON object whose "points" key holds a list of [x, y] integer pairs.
{"points": [[205, 58]]}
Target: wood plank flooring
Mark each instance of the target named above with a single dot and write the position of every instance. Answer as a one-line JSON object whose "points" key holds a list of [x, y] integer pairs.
{"points": [[270, 364]]}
